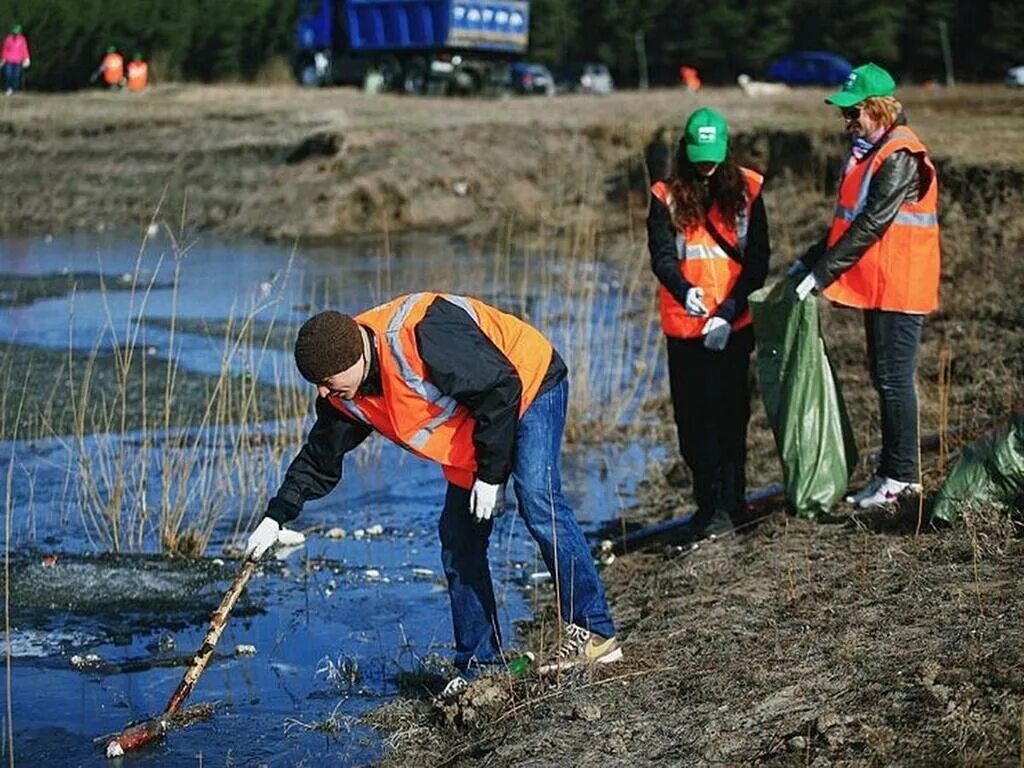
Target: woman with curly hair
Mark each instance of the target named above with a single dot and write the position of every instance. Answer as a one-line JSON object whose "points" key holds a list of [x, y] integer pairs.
{"points": [[707, 233], [881, 255]]}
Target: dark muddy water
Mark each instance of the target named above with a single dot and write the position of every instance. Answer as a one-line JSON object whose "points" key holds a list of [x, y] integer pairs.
{"points": [[372, 605]]}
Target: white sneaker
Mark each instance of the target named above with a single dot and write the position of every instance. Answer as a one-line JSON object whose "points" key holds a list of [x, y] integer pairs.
{"points": [[887, 492], [455, 688], [868, 490]]}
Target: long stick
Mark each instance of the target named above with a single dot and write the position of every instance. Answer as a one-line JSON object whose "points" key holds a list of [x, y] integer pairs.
{"points": [[145, 732]]}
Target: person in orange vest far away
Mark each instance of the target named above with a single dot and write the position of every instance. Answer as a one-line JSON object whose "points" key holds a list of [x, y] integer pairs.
{"points": [[111, 68], [483, 394], [881, 255], [689, 77], [138, 73], [16, 59], [707, 232]]}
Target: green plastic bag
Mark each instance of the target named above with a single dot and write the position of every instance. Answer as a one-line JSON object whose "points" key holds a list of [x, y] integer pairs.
{"points": [[802, 398], [991, 469]]}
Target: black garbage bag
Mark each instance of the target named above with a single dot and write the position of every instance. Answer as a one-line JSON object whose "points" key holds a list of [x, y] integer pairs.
{"points": [[802, 398]]}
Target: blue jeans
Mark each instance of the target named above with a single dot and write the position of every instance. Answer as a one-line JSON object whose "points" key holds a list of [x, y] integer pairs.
{"points": [[538, 487], [893, 339], [12, 75]]}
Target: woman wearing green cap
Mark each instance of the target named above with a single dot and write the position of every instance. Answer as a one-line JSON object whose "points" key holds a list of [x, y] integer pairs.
{"points": [[15, 58], [881, 255], [707, 233]]}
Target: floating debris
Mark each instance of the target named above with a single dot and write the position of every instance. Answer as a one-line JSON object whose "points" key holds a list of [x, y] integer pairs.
{"points": [[49, 561], [88, 661], [336, 533], [540, 577], [372, 574], [424, 573], [245, 650], [375, 530]]}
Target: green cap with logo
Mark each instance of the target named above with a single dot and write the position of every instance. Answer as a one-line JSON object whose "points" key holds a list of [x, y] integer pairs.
{"points": [[706, 136], [862, 83]]}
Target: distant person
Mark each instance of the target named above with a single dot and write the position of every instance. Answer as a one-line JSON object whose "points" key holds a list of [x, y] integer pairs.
{"points": [[16, 59], [881, 255], [138, 73], [111, 69], [707, 232], [483, 394], [690, 78]]}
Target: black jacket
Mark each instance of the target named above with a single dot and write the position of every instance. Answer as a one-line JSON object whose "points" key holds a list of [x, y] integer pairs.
{"points": [[661, 242], [897, 181], [462, 363]]}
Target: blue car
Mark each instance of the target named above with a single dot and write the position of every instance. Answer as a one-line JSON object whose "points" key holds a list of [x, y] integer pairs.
{"points": [[810, 68]]}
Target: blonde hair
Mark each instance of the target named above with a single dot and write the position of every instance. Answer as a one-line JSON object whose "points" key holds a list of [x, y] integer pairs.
{"points": [[882, 109]]}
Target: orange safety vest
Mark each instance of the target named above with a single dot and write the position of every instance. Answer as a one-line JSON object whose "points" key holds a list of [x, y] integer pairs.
{"points": [[899, 272], [138, 75], [703, 263], [113, 68], [411, 411]]}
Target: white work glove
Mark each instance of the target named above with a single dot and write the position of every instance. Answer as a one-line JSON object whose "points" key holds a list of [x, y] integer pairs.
{"points": [[805, 286], [263, 538], [26, 63], [716, 333], [694, 303], [483, 500], [797, 269]]}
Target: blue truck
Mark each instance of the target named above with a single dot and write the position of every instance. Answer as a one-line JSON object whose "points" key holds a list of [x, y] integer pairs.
{"points": [[416, 46]]}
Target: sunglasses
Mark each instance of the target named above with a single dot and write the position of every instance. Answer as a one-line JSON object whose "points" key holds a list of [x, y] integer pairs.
{"points": [[850, 113]]}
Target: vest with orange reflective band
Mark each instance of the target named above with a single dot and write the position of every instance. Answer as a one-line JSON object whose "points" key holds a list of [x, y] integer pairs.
{"points": [[410, 410], [703, 263], [138, 75], [113, 68], [899, 272]]}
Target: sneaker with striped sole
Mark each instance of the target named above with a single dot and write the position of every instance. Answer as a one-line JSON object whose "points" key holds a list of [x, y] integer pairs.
{"points": [[581, 647]]}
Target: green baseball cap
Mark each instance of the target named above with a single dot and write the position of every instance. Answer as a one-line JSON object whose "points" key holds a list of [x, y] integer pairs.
{"points": [[862, 83], [706, 136]]}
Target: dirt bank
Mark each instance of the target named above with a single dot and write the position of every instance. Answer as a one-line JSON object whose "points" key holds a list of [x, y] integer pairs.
{"points": [[286, 163], [801, 644]]}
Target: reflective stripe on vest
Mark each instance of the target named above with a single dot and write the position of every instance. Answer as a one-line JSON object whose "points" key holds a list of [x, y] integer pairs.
{"points": [[899, 272], [703, 263], [430, 423]]}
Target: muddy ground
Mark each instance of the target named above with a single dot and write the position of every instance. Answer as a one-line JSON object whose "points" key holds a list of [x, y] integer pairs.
{"points": [[285, 163], [854, 640]]}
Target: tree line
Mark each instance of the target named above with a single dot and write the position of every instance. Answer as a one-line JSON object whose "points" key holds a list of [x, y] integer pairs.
{"points": [[213, 40]]}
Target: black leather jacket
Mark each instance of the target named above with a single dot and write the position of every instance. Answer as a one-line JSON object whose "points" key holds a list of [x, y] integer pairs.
{"points": [[898, 180]]}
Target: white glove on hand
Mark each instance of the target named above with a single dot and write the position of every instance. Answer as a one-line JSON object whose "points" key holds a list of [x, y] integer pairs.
{"points": [[797, 269], [805, 286], [716, 333], [263, 538], [482, 500], [26, 63], [694, 303]]}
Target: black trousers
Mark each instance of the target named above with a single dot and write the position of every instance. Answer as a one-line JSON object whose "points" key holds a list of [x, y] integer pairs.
{"points": [[711, 402], [893, 340]]}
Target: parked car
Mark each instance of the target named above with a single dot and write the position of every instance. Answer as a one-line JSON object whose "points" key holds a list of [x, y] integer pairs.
{"points": [[527, 78], [590, 77], [1015, 77], [810, 68]]}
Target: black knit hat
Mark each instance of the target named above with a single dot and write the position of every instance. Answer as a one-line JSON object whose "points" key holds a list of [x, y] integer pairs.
{"points": [[327, 344]]}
